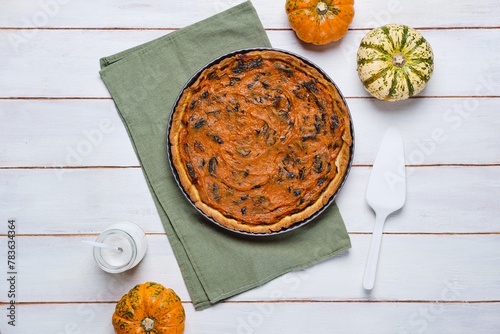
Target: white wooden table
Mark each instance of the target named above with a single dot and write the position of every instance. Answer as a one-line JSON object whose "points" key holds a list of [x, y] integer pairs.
{"points": [[68, 170]]}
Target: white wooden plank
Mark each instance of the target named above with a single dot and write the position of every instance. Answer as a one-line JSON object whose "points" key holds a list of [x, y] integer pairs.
{"points": [[160, 14], [348, 318], [49, 60], [435, 131], [68, 201], [62, 201], [53, 63], [411, 268], [67, 262], [444, 199], [91, 133], [479, 73], [63, 133]]}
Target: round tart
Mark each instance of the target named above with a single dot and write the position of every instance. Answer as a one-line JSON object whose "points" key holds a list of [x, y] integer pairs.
{"points": [[260, 140]]}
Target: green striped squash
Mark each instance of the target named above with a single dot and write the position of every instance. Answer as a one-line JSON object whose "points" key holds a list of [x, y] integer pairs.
{"points": [[394, 62]]}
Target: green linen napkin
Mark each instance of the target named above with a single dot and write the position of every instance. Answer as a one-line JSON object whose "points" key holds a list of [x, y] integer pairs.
{"points": [[144, 82]]}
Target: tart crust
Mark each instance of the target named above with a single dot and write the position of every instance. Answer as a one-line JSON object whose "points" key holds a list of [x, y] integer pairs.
{"points": [[260, 141]]}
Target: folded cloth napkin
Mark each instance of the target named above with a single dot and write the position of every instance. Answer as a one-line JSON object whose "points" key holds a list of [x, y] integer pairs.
{"points": [[144, 82]]}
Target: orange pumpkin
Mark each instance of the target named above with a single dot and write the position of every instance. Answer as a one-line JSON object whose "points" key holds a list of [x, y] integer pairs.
{"points": [[149, 308], [320, 21]]}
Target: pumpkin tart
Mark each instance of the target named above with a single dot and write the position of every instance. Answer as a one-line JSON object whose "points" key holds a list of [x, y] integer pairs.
{"points": [[260, 140]]}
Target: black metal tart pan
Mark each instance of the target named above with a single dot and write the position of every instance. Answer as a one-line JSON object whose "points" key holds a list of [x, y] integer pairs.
{"points": [[176, 176]]}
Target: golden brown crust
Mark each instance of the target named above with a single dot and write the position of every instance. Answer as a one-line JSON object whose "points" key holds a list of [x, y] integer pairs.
{"points": [[260, 141]]}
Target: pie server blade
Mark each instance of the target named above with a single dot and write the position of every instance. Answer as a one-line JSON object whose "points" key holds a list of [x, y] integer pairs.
{"points": [[386, 193]]}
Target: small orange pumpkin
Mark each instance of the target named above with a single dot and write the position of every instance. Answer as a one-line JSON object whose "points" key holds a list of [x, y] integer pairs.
{"points": [[149, 308], [320, 21]]}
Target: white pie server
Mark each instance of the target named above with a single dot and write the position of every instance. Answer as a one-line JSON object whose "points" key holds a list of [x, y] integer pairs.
{"points": [[386, 193]]}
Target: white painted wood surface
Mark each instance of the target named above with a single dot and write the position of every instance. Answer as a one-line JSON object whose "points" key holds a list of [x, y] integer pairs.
{"points": [[68, 170], [62, 63]]}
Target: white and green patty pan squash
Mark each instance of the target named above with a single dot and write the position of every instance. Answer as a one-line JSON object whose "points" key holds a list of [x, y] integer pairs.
{"points": [[394, 62]]}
